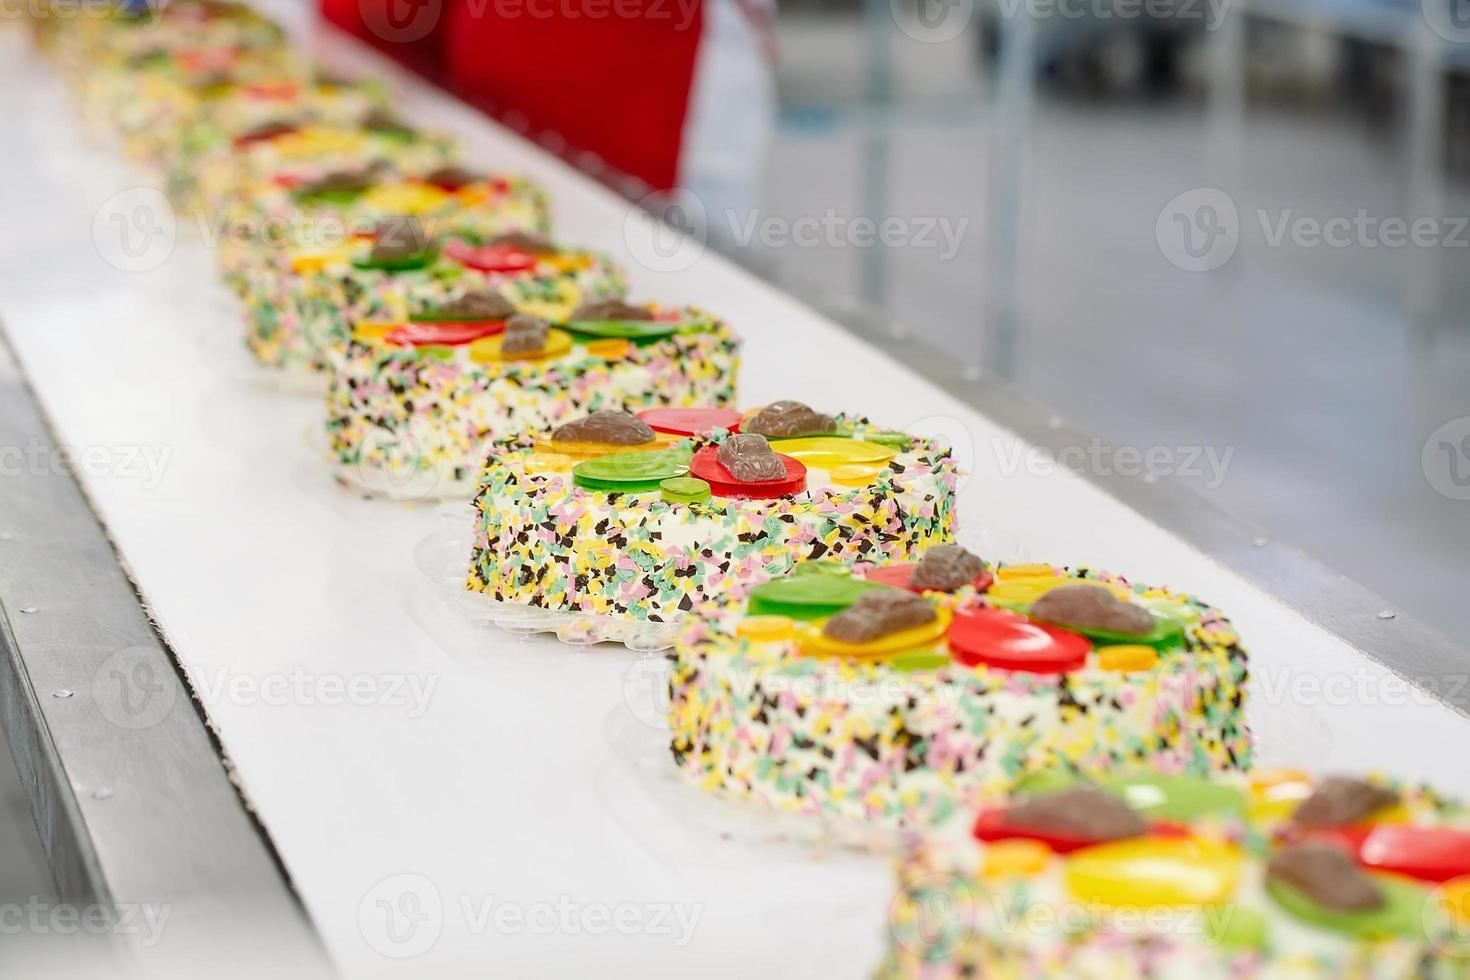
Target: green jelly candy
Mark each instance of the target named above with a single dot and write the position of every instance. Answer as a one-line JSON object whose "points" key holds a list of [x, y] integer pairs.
{"points": [[1182, 613], [1176, 798], [1400, 915], [333, 197], [915, 660], [407, 263], [1234, 926], [1165, 635], [624, 329], [631, 472], [437, 352], [807, 596], [684, 490], [1051, 781]]}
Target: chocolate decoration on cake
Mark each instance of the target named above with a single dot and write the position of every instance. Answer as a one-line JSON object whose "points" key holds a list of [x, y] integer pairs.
{"points": [[610, 309], [1082, 811], [400, 238], [1086, 606], [380, 120], [340, 180], [608, 428], [1327, 875], [525, 334], [453, 177], [946, 567], [789, 419], [1339, 801], [750, 459], [877, 614], [268, 129], [479, 304], [523, 240]]}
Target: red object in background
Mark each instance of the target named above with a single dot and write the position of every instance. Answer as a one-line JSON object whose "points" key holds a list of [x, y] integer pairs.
{"points": [[610, 78]]}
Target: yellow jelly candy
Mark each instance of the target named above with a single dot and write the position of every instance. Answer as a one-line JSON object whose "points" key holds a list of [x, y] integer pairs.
{"points": [[1454, 897], [487, 350], [372, 330], [1276, 793], [1126, 657], [814, 643], [824, 452], [1149, 871], [609, 348], [1008, 572], [852, 474], [317, 259], [1021, 591], [548, 463], [405, 198], [564, 263], [765, 629], [1018, 858]]}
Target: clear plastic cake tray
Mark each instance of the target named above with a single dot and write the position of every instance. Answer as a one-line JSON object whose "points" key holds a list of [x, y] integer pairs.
{"points": [[443, 559]]}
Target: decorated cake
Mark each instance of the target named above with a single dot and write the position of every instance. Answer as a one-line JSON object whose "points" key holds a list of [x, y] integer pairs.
{"points": [[1176, 877], [644, 518], [891, 693], [415, 405], [266, 226], [310, 301]]}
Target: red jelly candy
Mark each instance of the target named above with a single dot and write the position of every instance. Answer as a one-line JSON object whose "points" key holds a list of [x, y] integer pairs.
{"points": [[447, 333], [706, 466], [1009, 641], [691, 421], [491, 258], [1427, 853]]}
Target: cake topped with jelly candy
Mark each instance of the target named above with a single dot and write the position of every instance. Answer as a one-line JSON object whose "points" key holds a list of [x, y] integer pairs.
{"points": [[416, 404], [403, 271], [890, 693], [643, 517], [1142, 873]]}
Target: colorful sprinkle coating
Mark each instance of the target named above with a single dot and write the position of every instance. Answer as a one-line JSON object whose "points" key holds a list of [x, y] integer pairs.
{"points": [[542, 541], [868, 742]]}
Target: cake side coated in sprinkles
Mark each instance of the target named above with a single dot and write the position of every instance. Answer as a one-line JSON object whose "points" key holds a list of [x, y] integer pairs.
{"points": [[764, 711], [427, 416], [1221, 881], [560, 535]]}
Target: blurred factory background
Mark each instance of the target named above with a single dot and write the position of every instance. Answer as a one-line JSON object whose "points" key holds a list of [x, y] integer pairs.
{"points": [[1332, 370]]}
